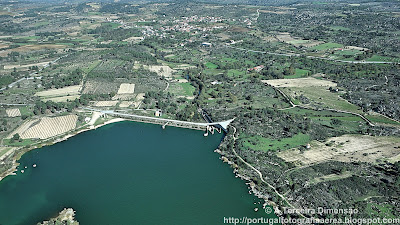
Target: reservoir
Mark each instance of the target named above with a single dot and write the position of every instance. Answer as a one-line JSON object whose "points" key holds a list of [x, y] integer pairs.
{"points": [[128, 173]]}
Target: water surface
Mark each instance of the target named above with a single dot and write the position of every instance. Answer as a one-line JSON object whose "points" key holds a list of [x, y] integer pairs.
{"points": [[127, 173]]}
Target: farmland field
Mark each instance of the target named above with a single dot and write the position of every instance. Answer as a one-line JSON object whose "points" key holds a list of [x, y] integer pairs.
{"points": [[60, 95], [299, 74], [13, 112], [327, 46], [265, 144], [347, 148], [46, 127], [71, 90], [300, 82], [126, 88], [322, 97]]}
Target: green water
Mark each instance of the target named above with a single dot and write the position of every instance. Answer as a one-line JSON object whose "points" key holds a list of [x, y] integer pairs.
{"points": [[127, 173]]}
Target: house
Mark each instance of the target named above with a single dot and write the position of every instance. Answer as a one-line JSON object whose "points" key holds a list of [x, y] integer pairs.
{"points": [[257, 68], [206, 44], [215, 82], [158, 113]]}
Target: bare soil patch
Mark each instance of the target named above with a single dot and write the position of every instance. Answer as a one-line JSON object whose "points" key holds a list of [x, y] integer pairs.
{"points": [[47, 127], [13, 112], [300, 82], [71, 90], [347, 148]]}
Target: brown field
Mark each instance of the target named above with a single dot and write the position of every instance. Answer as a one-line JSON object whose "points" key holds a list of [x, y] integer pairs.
{"points": [[27, 48], [184, 67], [64, 98], [5, 151], [165, 71], [99, 87], [126, 88], [67, 91], [270, 39], [224, 36], [300, 82], [287, 38], [134, 39], [21, 129], [125, 92], [347, 148], [2, 45], [106, 103], [275, 12], [46, 127], [284, 37], [7, 67], [213, 6], [238, 29], [182, 81], [356, 48], [126, 104], [13, 112], [138, 100]]}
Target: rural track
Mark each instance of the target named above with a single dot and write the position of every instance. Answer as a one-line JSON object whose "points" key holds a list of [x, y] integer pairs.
{"points": [[260, 174], [32, 75], [328, 109]]}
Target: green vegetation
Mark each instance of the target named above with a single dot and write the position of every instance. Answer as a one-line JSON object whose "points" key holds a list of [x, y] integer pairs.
{"points": [[4, 151], [299, 73], [266, 144], [97, 45], [18, 143], [188, 89], [211, 65], [327, 46], [381, 58]]}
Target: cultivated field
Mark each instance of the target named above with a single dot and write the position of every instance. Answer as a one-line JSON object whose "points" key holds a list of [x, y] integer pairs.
{"points": [[21, 129], [126, 104], [28, 48], [64, 98], [165, 71], [134, 39], [287, 38], [46, 127], [106, 103], [300, 82], [126, 88], [321, 96], [347, 148], [100, 87], [71, 90], [7, 67], [13, 112]]}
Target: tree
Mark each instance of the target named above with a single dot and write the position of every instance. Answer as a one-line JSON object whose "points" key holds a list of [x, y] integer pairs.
{"points": [[16, 137]]}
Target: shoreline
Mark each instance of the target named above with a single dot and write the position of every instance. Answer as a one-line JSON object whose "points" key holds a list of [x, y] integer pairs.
{"points": [[63, 137], [48, 142], [251, 185]]}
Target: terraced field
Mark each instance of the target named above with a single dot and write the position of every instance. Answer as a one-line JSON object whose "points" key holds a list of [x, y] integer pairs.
{"points": [[45, 127]]}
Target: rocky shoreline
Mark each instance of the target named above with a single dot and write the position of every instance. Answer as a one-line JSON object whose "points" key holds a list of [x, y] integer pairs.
{"points": [[252, 186], [66, 216]]}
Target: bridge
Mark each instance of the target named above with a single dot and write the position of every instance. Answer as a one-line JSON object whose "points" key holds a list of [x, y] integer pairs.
{"points": [[164, 122]]}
